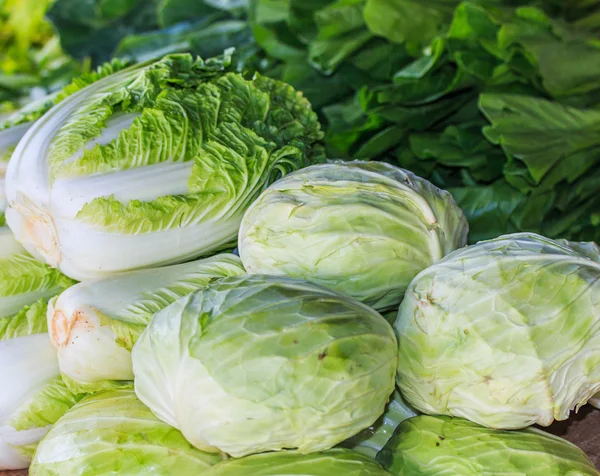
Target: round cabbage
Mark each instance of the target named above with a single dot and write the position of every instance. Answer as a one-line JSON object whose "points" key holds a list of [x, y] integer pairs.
{"points": [[114, 433], [444, 446], [258, 363], [505, 333], [362, 228]]}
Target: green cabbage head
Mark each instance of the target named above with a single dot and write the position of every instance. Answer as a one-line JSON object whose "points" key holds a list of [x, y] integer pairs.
{"points": [[444, 446], [154, 164], [333, 462], [259, 363], [362, 228], [505, 333], [114, 433]]}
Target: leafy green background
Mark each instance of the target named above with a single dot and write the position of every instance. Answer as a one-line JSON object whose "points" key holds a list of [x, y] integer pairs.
{"points": [[496, 101]]}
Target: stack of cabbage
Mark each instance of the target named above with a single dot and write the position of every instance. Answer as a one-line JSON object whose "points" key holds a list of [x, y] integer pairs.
{"points": [[172, 355]]}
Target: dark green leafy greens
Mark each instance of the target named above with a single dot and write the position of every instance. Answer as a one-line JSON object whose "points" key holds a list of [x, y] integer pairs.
{"points": [[495, 100], [147, 29]]}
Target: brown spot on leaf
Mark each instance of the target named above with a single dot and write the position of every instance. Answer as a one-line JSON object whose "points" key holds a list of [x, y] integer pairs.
{"points": [[62, 327], [323, 354]]}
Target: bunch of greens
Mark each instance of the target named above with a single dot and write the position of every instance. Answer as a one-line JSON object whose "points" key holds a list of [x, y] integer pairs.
{"points": [[149, 29], [173, 150], [495, 100]]}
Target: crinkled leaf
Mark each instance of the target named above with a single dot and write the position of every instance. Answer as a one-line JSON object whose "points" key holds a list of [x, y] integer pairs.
{"points": [[46, 406], [29, 320], [24, 280]]}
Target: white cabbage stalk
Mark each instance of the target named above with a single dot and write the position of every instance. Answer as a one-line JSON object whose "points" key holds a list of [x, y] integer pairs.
{"points": [[14, 127], [23, 279], [33, 395], [153, 165], [94, 324], [28, 363], [9, 138]]}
